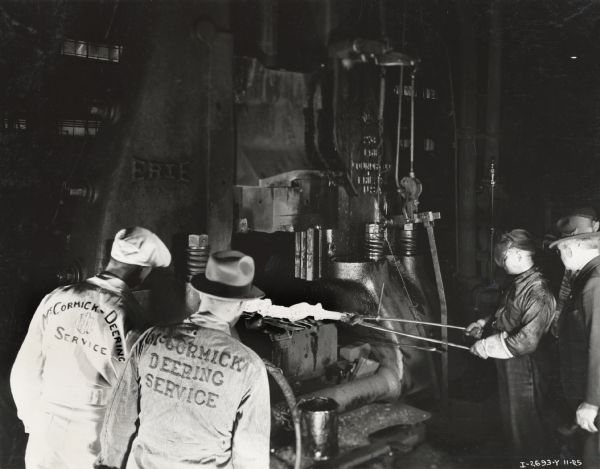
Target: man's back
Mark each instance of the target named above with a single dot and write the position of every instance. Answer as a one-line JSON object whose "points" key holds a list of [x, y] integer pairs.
{"points": [[203, 400], [78, 337]]}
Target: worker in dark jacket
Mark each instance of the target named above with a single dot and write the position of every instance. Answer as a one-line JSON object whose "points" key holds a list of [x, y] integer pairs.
{"points": [[513, 337], [579, 338], [581, 220]]}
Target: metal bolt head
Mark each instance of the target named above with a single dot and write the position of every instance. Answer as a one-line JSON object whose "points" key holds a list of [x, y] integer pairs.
{"points": [[197, 240]]}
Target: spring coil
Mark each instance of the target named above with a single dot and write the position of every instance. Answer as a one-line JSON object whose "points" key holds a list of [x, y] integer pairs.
{"points": [[197, 252], [375, 241], [407, 242]]}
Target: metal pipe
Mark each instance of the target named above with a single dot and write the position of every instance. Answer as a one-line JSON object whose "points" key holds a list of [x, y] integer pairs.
{"points": [[415, 322], [399, 129], [380, 145], [384, 384], [492, 221], [412, 123], [412, 336], [277, 374]]}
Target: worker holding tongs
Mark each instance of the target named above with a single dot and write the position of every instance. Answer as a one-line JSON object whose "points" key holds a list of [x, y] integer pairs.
{"points": [[516, 337]]}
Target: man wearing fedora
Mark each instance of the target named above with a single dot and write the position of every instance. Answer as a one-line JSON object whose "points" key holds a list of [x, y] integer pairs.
{"points": [[579, 338], [74, 352], [580, 220], [515, 337], [200, 397]]}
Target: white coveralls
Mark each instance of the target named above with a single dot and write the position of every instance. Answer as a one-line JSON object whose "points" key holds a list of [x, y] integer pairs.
{"points": [[202, 399], [74, 352]]}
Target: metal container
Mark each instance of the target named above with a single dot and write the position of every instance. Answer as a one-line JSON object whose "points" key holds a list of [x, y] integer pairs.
{"points": [[320, 427]]}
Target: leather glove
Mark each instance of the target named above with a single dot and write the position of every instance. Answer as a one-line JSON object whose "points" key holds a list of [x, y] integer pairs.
{"points": [[478, 349], [475, 329], [585, 415], [492, 346]]}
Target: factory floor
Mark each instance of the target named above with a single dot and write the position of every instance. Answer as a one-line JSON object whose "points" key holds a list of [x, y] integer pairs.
{"points": [[467, 433]]}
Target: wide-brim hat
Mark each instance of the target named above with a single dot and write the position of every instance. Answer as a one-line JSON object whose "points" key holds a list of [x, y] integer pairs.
{"points": [[575, 237], [580, 220], [228, 275]]}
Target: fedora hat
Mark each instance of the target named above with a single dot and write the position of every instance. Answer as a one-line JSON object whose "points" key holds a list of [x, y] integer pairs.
{"points": [[580, 220], [228, 275], [575, 237]]}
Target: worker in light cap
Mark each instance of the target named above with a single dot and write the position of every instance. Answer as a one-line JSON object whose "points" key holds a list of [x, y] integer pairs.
{"points": [[75, 350], [200, 397], [515, 338]]}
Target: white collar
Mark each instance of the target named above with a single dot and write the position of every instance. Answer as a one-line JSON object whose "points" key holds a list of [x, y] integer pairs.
{"points": [[209, 320], [109, 282]]}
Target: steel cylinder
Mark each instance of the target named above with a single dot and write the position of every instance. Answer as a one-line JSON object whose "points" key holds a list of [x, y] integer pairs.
{"points": [[407, 242], [197, 252], [374, 241]]}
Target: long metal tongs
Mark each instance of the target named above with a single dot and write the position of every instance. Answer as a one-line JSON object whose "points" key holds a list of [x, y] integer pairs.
{"points": [[411, 321], [412, 336]]}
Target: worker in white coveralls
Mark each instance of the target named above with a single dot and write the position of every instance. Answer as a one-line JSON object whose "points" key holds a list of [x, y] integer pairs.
{"points": [[200, 396], [75, 351]]}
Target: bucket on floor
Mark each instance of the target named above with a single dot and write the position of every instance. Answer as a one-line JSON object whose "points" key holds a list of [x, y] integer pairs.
{"points": [[319, 427]]}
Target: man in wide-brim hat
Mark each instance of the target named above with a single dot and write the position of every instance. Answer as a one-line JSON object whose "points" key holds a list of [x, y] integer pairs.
{"points": [[578, 221], [579, 338], [201, 396]]}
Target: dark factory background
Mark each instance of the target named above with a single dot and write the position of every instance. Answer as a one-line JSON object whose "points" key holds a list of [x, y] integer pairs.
{"points": [[255, 122]]}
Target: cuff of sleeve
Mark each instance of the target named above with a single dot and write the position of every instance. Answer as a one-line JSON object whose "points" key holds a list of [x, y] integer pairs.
{"points": [[495, 346], [592, 401]]}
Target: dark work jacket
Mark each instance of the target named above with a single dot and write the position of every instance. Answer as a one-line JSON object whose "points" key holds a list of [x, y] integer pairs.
{"points": [[525, 312], [579, 338]]}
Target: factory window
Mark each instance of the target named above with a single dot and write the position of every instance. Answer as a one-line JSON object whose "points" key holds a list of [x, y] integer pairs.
{"points": [[89, 50], [79, 128], [429, 144], [16, 124], [429, 93]]}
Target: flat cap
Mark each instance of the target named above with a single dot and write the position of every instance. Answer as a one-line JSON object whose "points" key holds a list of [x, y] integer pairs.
{"points": [[518, 239], [139, 246]]}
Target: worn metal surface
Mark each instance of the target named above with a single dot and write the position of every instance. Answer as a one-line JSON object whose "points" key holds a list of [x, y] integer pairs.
{"points": [[396, 294], [270, 121], [168, 164], [292, 201], [356, 426], [305, 353], [383, 385]]}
